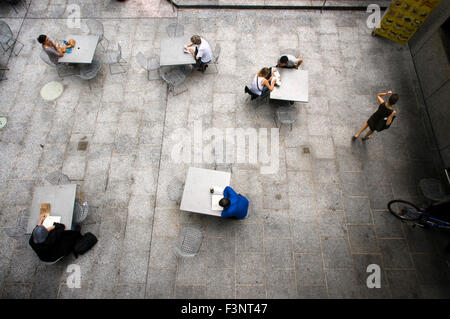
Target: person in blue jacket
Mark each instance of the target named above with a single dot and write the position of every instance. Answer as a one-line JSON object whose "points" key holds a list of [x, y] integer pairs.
{"points": [[234, 205]]}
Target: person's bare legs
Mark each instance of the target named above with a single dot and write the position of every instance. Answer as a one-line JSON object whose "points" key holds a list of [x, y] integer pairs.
{"points": [[367, 135], [362, 129]]}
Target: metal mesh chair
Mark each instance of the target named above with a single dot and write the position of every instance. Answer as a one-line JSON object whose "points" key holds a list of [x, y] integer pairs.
{"points": [[260, 99], [290, 51], [57, 178], [175, 30], [225, 167], [175, 190], [19, 230], [89, 71], [80, 211], [189, 242], [14, 4], [151, 65], [7, 40], [96, 28], [215, 60], [114, 58], [62, 69], [175, 79], [432, 190], [286, 115]]}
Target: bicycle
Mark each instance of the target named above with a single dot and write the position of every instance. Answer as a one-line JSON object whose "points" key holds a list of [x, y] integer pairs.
{"points": [[436, 215]]}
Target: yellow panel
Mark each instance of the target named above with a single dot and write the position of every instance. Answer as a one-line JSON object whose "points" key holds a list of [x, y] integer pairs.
{"points": [[403, 18]]}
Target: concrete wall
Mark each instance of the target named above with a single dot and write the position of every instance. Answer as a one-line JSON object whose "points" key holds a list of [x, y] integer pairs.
{"points": [[433, 72]]}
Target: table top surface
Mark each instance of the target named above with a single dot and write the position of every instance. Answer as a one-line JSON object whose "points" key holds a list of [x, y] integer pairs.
{"points": [[84, 49], [196, 194], [294, 86], [172, 52], [61, 199]]}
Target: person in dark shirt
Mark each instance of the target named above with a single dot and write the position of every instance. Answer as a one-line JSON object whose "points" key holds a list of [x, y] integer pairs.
{"points": [[234, 205], [50, 244], [382, 118]]}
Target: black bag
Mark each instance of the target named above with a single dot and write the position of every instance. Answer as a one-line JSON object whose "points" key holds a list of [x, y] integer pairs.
{"points": [[84, 243]]}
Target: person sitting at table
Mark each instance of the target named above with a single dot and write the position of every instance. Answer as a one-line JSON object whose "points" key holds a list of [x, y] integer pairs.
{"points": [[289, 61], [263, 82], [54, 51], [234, 205], [52, 243], [202, 54]]}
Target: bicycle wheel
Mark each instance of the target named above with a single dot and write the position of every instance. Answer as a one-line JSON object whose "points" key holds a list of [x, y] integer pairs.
{"points": [[404, 210]]}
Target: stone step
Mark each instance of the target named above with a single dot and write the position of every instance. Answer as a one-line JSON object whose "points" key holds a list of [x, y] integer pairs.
{"points": [[283, 3]]}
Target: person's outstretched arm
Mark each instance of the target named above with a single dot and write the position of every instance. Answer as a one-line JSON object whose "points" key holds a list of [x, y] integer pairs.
{"points": [[300, 60], [379, 95], [390, 118], [270, 84]]}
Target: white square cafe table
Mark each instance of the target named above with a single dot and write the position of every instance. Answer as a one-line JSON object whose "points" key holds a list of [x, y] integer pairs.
{"points": [[62, 202], [84, 49], [196, 195], [293, 87]]}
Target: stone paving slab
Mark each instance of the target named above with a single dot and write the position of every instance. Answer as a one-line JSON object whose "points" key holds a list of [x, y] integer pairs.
{"points": [[313, 226]]}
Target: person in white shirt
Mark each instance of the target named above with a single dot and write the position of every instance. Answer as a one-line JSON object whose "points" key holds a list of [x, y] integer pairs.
{"points": [[262, 82], [289, 61], [202, 54]]}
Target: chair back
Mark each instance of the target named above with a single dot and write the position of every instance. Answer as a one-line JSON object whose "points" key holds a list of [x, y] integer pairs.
{"points": [[95, 27], [44, 57], [80, 211], [287, 114], [173, 77], [217, 52], [189, 242], [142, 61], [290, 51], [5, 32], [175, 30], [119, 52], [175, 190], [89, 71], [153, 63]]}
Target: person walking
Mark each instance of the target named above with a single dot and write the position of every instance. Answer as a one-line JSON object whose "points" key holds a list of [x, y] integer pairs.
{"points": [[382, 118]]}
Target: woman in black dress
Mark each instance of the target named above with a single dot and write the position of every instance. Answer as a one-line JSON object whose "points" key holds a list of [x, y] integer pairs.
{"points": [[382, 118]]}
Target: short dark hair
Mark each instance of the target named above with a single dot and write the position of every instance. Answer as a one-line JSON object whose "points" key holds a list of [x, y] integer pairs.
{"points": [[393, 99], [42, 38], [224, 202], [284, 59]]}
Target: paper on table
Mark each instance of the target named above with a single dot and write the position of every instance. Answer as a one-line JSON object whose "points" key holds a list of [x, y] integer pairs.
{"points": [[218, 190], [277, 76], [215, 202], [48, 222]]}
